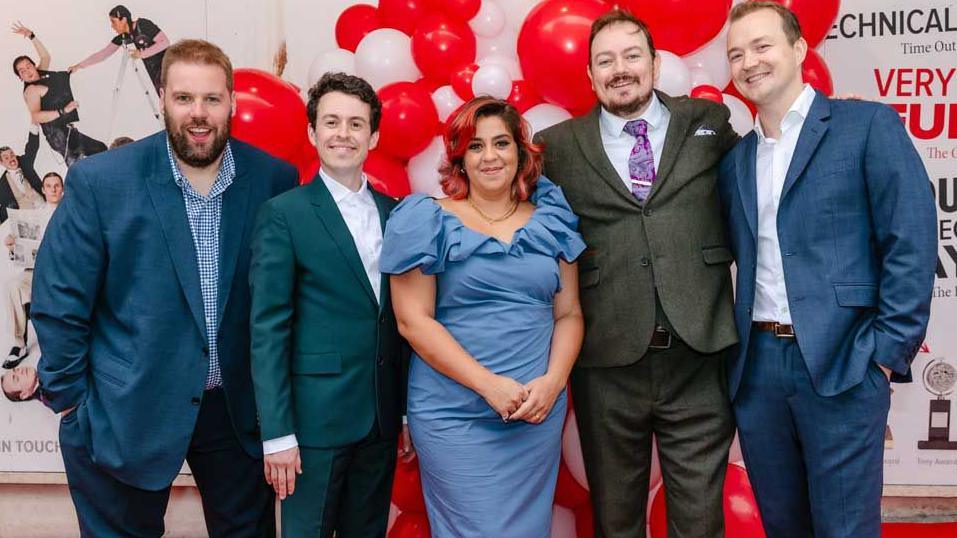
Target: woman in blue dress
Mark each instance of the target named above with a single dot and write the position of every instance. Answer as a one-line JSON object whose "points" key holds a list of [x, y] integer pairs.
{"points": [[484, 287]]}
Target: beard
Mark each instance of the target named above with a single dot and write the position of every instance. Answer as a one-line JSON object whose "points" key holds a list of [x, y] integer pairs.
{"points": [[627, 108], [194, 155]]}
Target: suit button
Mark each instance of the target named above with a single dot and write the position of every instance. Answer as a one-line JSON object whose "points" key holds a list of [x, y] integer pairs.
{"points": [[749, 311], [645, 262], [196, 400], [382, 320], [380, 361], [646, 212]]}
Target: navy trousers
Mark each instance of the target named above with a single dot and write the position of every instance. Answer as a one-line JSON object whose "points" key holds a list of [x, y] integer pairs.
{"points": [[237, 502], [815, 463]]}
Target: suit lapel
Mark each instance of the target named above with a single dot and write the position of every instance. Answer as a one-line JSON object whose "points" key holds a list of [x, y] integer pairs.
{"points": [[232, 227], [382, 204], [167, 199], [330, 217], [815, 126], [588, 133], [674, 140], [747, 175]]}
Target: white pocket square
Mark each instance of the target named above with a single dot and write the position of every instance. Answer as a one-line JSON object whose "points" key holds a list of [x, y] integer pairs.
{"points": [[704, 132]]}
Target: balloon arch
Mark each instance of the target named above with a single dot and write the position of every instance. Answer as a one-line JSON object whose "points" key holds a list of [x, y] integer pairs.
{"points": [[425, 58]]}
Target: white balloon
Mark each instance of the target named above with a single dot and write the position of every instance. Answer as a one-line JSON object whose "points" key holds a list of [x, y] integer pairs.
{"points": [[541, 117], [423, 169], [516, 11], [492, 79], [504, 45], [735, 455], [446, 101], [509, 63], [563, 523], [712, 58], [700, 77], [489, 21], [571, 443], [741, 120], [333, 61], [384, 56], [673, 78], [393, 515]]}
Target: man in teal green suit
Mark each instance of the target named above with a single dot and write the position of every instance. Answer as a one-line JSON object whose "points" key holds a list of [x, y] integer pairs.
{"points": [[328, 367]]}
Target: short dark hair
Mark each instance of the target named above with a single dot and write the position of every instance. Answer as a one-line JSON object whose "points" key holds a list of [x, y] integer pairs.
{"points": [[618, 16], [121, 12], [121, 141], [12, 396], [52, 174], [5, 148], [349, 85], [19, 59], [789, 21]]}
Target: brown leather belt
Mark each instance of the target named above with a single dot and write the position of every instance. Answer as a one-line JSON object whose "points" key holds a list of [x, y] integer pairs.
{"points": [[779, 329], [661, 339]]}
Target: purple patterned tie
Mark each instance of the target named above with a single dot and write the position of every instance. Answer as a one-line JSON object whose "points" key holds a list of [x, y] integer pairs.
{"points": [[641, 163]]}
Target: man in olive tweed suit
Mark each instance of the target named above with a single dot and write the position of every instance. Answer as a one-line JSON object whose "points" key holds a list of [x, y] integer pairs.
{"points": [[640, 172]]}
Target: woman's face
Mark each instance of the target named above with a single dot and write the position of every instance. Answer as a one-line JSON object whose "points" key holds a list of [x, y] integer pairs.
{"points": [[491, 158], [119, 25]]}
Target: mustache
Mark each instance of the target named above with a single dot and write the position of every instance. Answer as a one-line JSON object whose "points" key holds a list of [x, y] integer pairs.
{"points": [[618, 79]]}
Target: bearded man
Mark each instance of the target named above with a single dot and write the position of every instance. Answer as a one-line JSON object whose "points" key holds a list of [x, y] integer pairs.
{"points": [[141, 306]]}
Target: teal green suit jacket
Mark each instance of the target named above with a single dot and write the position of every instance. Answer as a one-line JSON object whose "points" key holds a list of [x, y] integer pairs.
{"points": [[327, 357]]}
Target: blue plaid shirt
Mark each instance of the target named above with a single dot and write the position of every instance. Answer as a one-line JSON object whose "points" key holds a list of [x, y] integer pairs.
{"points": [[204, 214]]}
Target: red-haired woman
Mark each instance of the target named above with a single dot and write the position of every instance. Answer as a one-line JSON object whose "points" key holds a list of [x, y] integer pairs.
{"points": [[484, 287]]}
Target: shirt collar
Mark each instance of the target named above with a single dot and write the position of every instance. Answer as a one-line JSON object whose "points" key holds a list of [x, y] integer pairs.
{"points": [[339, 191], [794, 116], [614, 126], [224, 177]]}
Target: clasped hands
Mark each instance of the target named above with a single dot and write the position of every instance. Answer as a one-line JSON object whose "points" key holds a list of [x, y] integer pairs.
{"points": [[531, 402]]}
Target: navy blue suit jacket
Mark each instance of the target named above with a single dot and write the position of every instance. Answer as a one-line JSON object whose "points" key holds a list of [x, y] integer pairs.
{"points": [[119, 313], [857, 229]]}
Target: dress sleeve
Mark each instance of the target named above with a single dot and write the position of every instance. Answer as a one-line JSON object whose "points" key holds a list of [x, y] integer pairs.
{"points": [[559, 222], [414, 237]]}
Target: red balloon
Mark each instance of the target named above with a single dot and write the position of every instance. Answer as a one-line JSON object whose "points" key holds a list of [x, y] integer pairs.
{"points": [[408, 119], [732, 90], [463, 10], [816, 74], [585, 522], [918, 530], [461, 81], [306, 162], [568, 492], [523, 96], [407, 485], [267, 126], [741, 516], [553, 51], [410, 525], [678, 29], [706, 91], [440, 43], [815, 16], [388, 176], [402, 15], [354, 23]]}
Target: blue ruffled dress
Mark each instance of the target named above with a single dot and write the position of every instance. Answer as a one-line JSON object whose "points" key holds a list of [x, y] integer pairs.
{"points": [[481, 476]]}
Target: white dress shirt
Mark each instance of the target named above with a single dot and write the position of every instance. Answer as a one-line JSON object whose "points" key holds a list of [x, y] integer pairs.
{"points": [[618, 144], [361, 216], [772, 163]]}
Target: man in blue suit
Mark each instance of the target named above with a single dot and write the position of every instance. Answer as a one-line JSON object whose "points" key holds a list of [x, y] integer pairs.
{"points": [[141, 306], [832, 224]]}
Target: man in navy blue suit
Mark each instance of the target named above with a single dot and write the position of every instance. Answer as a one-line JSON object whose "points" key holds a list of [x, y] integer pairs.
{"points": [[832, 224], [141, 306]]}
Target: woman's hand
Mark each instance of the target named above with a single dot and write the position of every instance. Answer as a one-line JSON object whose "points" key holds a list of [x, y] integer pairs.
{"points": [[504, 395], [542, 393]]}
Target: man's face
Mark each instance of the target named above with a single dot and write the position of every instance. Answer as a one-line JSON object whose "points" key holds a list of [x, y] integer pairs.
{"points": [[764, 66], [27, 71], [9, 159], [53, 189], [343, 133], [622, 70], [197, 107], [20, 381]]}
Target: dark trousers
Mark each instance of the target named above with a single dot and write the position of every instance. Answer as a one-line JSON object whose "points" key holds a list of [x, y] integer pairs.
{"points": [[346, 490], [680, 397], [237, 502], [69, 142], [815, 462]]}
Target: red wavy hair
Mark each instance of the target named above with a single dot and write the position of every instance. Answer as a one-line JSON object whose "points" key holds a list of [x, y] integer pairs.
{"points": [[460, 132]]}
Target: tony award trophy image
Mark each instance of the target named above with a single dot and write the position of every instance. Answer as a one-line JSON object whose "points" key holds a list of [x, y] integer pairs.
{"points": [[939, 378]]}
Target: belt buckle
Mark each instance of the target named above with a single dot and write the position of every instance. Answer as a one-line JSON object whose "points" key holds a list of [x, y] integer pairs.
{"points": [[778, 331], [659, 330]]}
